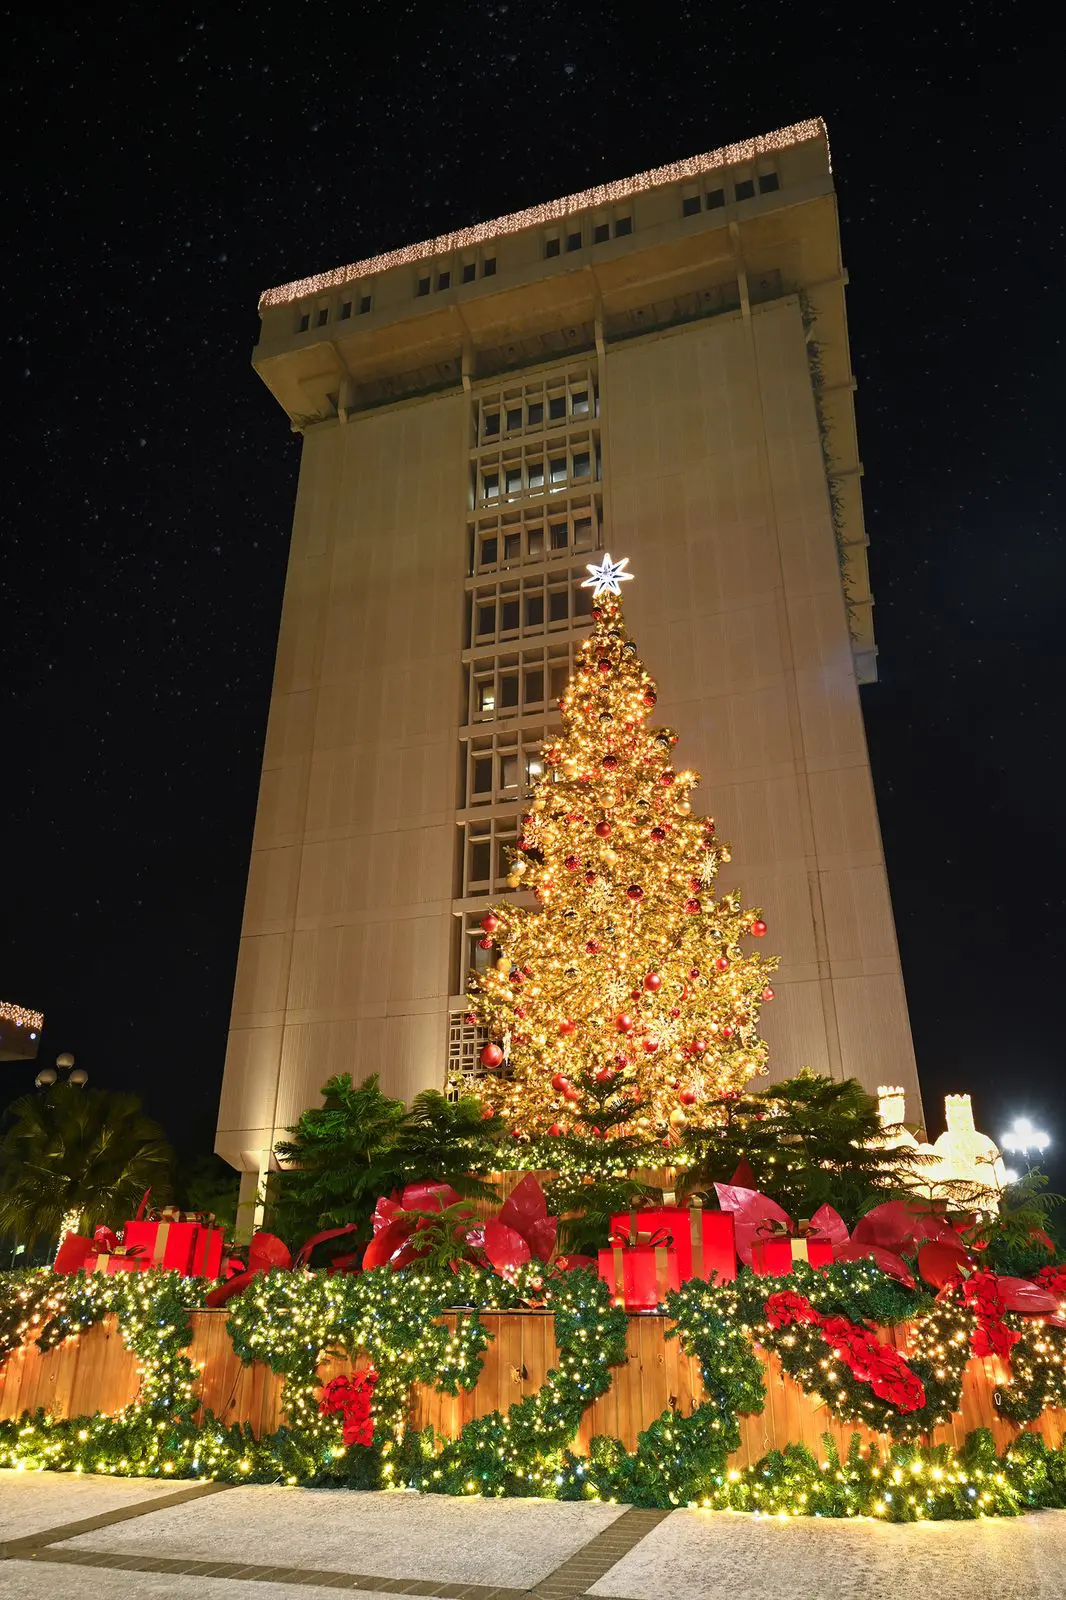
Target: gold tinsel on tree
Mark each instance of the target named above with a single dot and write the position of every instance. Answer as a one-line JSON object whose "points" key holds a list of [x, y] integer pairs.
{"points": [[629, 970]]}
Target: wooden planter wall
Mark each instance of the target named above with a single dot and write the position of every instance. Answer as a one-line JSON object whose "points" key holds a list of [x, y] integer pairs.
{"points": [[94, 1372]]}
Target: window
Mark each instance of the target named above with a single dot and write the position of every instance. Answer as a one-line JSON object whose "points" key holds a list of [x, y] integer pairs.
{"points": [[573, 241], [579, 404], [509, 616], [556, 407], [480, 860], [534, 769], [536, 474], [304, 323], [509, 680], [512, 547], [345, 311], [582, 533], [486, 695], [364, 304], [535, 414], [423, 286], [488, 267], [490, 424], [482, 781], [769, 182], [558, 610], [486, 619], [744, 189], [559, 678], [322, 318], [582, 602], [582, 464], [488, 552], [514, 480], [551, 247], [469, 272], [490, 485], [504, 854], [444, 280], [535, 538], [557, 471], [535, 611], [690, 205], [509, 772], [715, 198], [534, 686], [622, 226], [601, 233], [514, 418], [558, 535]]}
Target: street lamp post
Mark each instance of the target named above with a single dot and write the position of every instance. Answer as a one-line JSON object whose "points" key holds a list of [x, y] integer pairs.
{"points": [[64, 1063], [1022, 1138]]}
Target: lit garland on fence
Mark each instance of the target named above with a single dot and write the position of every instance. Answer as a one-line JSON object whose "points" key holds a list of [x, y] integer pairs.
{"points": [[292, 1322]]}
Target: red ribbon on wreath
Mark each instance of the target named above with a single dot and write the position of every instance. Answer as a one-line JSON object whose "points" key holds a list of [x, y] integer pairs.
{"points": [[351, 1397], [866, 1358]]}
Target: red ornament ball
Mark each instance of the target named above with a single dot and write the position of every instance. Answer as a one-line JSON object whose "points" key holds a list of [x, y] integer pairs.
{"points": [[590, 877], [674, 1011], [490, 923], [592, 947], [727, 1031], [652, 981], [693, 972], [570, 1093], [635, 892], [610, 761], [666, 778], [604, 665], [650, 1045], [687, 1097], [692, 906], [470, 1019], [605, 1074], [572, 863], [624, 1022], [555, 1130], [603, 829], [566, 1026], [484, 944], [560, 1082], [700, 1046], [658, 833], [722, 964], [758, 928], [491, 1056], [768, 993], [650, 698]]}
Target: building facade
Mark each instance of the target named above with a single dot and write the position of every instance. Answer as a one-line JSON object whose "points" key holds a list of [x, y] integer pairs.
{"points": [[660, 368]]}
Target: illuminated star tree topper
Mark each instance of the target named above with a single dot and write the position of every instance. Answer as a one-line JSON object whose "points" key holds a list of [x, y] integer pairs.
{"points": [[607, 577], [628, 969]]}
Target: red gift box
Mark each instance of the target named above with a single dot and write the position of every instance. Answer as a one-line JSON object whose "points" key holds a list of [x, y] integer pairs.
{"points": [[773, 1257], [185, 1247], [111, 1261], [640, 1275], [704, 1240]]}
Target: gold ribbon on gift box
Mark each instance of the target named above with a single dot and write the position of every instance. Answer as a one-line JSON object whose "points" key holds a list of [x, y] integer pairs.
{"points": [[694, 1205], [774, 1229]]}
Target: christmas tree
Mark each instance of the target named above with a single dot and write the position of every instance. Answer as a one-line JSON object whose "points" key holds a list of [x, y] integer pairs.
{"points": [[628, 988]]}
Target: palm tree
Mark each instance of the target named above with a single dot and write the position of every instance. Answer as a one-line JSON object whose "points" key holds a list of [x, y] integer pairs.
{"points": [[73, 1152]]}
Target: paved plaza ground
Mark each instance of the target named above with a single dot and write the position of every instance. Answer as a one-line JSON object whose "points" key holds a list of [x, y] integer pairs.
{"points": [[133, 1539]]}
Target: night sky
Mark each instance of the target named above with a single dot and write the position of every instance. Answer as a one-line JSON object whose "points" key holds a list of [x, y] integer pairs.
{"points": [[164, 164]]}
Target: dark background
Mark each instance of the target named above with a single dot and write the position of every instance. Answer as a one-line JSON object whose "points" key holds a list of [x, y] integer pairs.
{"points": [[165, 164]]}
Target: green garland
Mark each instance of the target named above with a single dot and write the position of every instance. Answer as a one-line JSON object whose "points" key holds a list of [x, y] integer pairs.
{"points": [[292, 1321]]}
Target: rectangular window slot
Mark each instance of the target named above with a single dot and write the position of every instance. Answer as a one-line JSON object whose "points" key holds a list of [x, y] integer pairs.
{"points": [[345, 311], [304, 323], [364, 304], [558, 607], [488, 267], [535, 611], [512, 547], [769, 183], [536, 536], [486, 619], [690, 205], [622, 226], [490, 424], [469, 272], [509, 681], [423, 286], [509, 616], [551, 248], [744, 189], [573, 241], [444, 280], [514, 480], [579, 404], [558, 536], [557, 471], [534, 686], [535, 414], [582, 464], [601, 233], [488, 552], [556, 407], [715, 198], [490, 485], [514, 419], [482, 775], [322, 318]]}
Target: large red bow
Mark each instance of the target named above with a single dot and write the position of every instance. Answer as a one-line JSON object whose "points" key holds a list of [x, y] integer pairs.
{"points": [[756, 1217], [268, 1253]]}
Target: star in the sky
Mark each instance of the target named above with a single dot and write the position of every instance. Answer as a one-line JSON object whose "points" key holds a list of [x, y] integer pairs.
{"points": [[607, 577]]}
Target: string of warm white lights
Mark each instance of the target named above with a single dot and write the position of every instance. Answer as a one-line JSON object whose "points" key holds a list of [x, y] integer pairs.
{"points": [[21, 1016], [604, 194]]}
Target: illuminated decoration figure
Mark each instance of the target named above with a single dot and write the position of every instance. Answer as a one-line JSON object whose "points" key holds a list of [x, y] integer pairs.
{"points": [[629, 970], [608, 577], [962, 1165]]}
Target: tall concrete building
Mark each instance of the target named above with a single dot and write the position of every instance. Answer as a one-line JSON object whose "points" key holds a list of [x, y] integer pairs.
{"points": [[658, 367]]}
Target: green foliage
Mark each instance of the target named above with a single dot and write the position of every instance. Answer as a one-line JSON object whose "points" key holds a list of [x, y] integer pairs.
{"points": [[71, 1149], [809, 1141], [359, 1144], [585, 1209], [1019, 1238], [208, 1184], [292, 1320]]}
